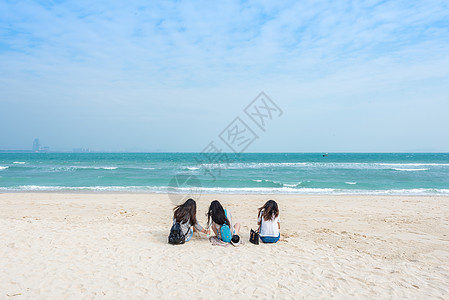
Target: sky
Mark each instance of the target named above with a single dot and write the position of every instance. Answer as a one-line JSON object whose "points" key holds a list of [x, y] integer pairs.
{"points": [[349, 76]]}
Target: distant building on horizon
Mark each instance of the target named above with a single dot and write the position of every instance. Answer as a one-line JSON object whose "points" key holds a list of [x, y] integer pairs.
{"points": [[38, 148], [36, 145]]}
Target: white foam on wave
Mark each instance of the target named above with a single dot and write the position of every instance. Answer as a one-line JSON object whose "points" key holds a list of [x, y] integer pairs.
{"points": [[19, 162], [87, 167], [351, 182], [113, 168], [267, 181], [252, 165], [293, 185], [3, 168], [325, 165], [411, 164], [218, 190], [193, 168], [82, 188], [321, 191], [74, 168], [409, 170], [260, 190]]}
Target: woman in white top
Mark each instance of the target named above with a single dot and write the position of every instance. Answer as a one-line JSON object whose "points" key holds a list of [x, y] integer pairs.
{"points": [[269, 222]]}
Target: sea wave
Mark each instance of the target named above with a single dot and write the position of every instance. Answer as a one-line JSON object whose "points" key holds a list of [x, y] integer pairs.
{"points": [[83, 188], [412, 164], [3, 168], [221, 190], [95, 168], [351, 182], [253, 165], [293, 185], [409, 170], [75, 168], [269, 182], [318, 191], [241, 165], [63, 168], [326, 165]]}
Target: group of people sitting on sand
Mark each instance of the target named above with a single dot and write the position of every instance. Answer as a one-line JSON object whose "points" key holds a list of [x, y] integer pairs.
{"points": [[220, 221]]}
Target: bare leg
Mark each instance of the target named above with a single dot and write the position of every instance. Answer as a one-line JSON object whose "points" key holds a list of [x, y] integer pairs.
{"points": [[215, 230], [237, 228]]}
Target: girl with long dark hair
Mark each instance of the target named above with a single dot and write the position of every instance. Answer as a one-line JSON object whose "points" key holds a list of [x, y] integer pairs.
{"points": [[269, 222], [217, 216], [185, 215]]}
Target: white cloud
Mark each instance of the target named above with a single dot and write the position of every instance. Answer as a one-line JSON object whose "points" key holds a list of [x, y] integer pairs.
{"points": [[135, 56]]}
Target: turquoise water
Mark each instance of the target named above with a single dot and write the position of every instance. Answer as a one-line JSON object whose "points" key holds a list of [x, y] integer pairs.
{"points": [[301, 173]]}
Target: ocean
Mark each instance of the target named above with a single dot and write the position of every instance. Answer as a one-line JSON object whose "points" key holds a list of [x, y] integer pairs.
{"points": [[268, 173]]}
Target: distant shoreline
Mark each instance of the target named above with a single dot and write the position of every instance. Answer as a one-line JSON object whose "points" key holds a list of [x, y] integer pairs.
{"points": [[196, 152]]}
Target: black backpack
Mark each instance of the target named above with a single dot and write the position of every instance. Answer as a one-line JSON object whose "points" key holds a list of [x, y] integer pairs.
{"points": [[176, 237]]}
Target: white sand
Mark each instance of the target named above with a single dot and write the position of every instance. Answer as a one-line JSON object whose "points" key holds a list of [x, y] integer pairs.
{"points": [[114, 246]]}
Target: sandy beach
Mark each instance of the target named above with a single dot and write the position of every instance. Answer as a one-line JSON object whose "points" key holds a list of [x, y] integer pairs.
{"points": [[114, 246]]}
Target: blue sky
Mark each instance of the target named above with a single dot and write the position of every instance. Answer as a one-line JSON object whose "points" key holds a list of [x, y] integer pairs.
{"points": [[351, 76]]}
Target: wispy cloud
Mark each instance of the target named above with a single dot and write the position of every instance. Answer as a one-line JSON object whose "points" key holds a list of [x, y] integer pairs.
{"points": [[77, 53]]}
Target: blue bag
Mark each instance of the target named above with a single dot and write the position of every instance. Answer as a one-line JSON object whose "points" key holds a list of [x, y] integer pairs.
{"points": [[225, 231]]}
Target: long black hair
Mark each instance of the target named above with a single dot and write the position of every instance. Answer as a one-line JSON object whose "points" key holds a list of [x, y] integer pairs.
{"points": [[270, 210], [217, 214], [186, 212]]}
